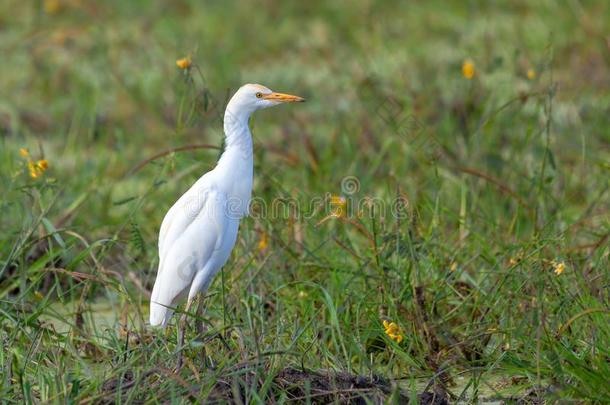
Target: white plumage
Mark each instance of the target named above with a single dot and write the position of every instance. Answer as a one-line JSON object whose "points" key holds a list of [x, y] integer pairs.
{"points": [[200, 229]]}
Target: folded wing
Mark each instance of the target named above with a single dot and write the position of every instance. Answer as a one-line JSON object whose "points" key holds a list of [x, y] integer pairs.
{"points": [[190, 233]]}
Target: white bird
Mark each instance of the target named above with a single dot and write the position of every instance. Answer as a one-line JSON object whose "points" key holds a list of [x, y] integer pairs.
{"points": [[200, 229]]}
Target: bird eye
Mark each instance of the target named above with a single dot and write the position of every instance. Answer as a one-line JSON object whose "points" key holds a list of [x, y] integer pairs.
{"points": [[259, 95]]}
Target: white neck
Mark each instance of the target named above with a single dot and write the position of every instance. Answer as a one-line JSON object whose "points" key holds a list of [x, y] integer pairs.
{"points": [[238, 138], [236, 165]]}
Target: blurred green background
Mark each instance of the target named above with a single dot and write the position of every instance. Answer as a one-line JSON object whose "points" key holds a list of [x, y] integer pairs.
{"points": [[490, 121]]}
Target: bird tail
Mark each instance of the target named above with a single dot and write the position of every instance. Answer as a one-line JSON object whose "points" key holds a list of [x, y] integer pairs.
{"points": [[162, 301], [168, 292], [160, 313]]}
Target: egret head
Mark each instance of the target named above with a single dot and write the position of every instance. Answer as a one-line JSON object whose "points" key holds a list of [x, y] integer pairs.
{"points": [[252, 97]]}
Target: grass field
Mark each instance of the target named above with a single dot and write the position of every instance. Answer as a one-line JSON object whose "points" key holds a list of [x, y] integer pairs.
{"points": [[448, 175]]}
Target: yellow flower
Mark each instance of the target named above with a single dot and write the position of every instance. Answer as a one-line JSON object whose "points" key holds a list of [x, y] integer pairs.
{"points": [[468, 69], [338, 206], [263, 243], [24, 152], [531, 74], [51, 6], [42, 164], [302, 294], [393, 331], [515, 260], [184, 63], [36, 169], [558, 267], [453, 267]]}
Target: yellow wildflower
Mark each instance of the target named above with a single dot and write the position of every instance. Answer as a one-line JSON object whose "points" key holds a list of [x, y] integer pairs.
{"points": [[36, 169], [468, 69], [32, 169], [302, 294], [453, 267], [263, 243], [24, 152], [516, 259], [184, 63], [51, 6], [42, 164], [393, 331], [558, 267], [338, 206], [531, 74]]}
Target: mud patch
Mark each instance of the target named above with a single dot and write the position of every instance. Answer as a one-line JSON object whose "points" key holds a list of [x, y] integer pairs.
{"points": [[291, 384], [322, 387]]}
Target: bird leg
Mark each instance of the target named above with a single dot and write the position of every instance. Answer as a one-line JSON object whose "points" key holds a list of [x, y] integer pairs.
{"points": [[181, 331], [200, 326]]}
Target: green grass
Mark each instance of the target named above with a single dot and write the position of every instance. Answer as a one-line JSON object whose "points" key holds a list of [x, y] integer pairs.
{"points": [[499, 178]]}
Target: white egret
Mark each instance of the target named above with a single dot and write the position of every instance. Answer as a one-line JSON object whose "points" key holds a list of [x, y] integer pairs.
{"points": [[200, 229]]}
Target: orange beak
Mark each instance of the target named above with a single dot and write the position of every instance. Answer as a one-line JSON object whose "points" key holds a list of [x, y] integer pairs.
{"points": [[283, 98]]}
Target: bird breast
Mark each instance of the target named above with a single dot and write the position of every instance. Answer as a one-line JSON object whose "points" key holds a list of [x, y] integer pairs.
{"points": [[234, 175]]}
